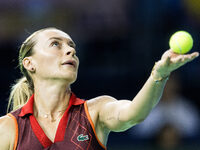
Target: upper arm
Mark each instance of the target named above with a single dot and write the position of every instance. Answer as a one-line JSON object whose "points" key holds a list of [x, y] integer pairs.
{"points": [[7, 133], [114, 114]]}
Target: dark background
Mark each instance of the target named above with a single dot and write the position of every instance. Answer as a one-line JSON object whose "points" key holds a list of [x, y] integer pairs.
{"points": [[118, 42]]}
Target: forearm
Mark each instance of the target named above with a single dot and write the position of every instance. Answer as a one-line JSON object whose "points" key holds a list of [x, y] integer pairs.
{"points": [[147, 98]]}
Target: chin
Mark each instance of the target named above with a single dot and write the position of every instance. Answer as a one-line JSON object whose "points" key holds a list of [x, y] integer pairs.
{"points": [[70, 78]]}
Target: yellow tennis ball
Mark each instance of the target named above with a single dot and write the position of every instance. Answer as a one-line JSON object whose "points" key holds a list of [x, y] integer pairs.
{"points": [[181, 42]]}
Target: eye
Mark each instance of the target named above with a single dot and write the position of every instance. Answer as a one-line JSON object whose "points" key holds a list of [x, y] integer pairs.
{"points": [[71, 44], [55, 44]]}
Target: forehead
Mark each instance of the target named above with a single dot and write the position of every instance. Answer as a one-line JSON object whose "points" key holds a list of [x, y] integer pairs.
{"points": [[47, 34]]}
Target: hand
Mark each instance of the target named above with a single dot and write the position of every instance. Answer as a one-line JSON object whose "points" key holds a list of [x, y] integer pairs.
{"points": [[171, 61]]}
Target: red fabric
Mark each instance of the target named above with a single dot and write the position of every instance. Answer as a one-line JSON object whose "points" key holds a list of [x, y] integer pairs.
{"points": [[41, 136], [60, 133], [63, 123], [28, 107]]}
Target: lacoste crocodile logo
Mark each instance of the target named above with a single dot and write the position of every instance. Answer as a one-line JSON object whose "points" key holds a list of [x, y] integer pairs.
{"points": [[82, 137]]}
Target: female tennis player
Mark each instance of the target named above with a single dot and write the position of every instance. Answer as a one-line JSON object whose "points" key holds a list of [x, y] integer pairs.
{"points": [[46, 114]]}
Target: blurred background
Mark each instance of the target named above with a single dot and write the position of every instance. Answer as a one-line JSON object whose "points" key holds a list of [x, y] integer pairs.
{"points": [[118, 42]]}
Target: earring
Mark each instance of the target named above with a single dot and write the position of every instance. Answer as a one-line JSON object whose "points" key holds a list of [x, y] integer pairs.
{"points": [[32, 70]]}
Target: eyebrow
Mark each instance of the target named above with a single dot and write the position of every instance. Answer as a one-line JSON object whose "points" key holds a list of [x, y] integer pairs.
{"points": [[60, 39], [55, 38]]}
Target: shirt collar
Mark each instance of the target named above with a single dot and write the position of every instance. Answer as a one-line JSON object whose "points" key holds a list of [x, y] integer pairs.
{"points": [[28, 107]]}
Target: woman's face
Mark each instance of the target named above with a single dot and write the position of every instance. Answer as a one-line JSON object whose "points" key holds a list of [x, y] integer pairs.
{"points": [[54, 56]]}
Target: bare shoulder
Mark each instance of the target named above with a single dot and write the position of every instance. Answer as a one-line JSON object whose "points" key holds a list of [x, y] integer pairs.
{"points": [[94, 107], [100, 101], [7, 132]]}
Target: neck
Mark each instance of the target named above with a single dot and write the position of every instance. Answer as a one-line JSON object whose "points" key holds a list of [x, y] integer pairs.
{"points": [[51, 97]]}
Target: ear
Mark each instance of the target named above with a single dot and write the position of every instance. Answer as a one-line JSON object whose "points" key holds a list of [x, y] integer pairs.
{"points": [[28, 64]]}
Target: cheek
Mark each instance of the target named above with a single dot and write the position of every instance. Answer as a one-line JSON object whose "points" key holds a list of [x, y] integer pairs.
{"points": [[77, 60], [47, 64], [47, 57]]}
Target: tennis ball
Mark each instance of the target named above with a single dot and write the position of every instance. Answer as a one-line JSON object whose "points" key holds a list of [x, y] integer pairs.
{"points": [[181, 42]]}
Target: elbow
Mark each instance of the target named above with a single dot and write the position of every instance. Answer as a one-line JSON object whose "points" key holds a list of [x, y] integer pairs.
{"points": [[137, 120], [140, 120], [123, 124]]}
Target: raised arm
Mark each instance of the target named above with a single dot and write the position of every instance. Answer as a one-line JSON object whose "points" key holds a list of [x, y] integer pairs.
{"points": [[7, 133], [120, 115]]}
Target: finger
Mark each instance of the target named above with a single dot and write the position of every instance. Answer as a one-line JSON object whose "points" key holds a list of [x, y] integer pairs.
{"points": [[192, 58], [188, 58], [184, 59], [194, 55], [178, 59], [166, 54]]}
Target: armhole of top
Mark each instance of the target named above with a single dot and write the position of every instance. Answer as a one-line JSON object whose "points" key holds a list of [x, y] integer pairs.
{"points": [[16, 130], [92, 124]]}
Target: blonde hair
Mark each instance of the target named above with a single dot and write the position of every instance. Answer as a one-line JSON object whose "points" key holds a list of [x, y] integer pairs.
{"points": [[22, 90]]}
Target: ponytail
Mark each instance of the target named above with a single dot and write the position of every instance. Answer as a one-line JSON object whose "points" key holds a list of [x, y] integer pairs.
{"points": [[20, 94]]}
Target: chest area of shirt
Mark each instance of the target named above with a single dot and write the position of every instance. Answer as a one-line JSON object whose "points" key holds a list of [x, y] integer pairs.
{"points": [[50, 128], [73, 124]]}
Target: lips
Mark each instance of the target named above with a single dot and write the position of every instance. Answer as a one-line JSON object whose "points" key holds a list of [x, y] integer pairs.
{"points": [[70, 62]]}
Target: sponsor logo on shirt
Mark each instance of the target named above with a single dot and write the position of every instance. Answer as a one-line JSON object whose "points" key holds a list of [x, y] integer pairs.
{"points": [[82, 137]]}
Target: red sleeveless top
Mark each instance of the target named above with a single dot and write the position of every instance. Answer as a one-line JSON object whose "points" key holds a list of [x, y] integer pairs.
{"points": [[75, 130]]}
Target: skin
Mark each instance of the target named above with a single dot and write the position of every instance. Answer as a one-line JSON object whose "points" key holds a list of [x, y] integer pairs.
{"points": [[53, 47]]}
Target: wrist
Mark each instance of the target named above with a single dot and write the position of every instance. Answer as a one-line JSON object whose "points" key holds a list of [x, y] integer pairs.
{"points": [[158, 79], [159, 76]]}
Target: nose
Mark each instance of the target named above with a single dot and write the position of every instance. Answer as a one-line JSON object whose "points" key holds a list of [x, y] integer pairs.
{"points": [[71, 52]]}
